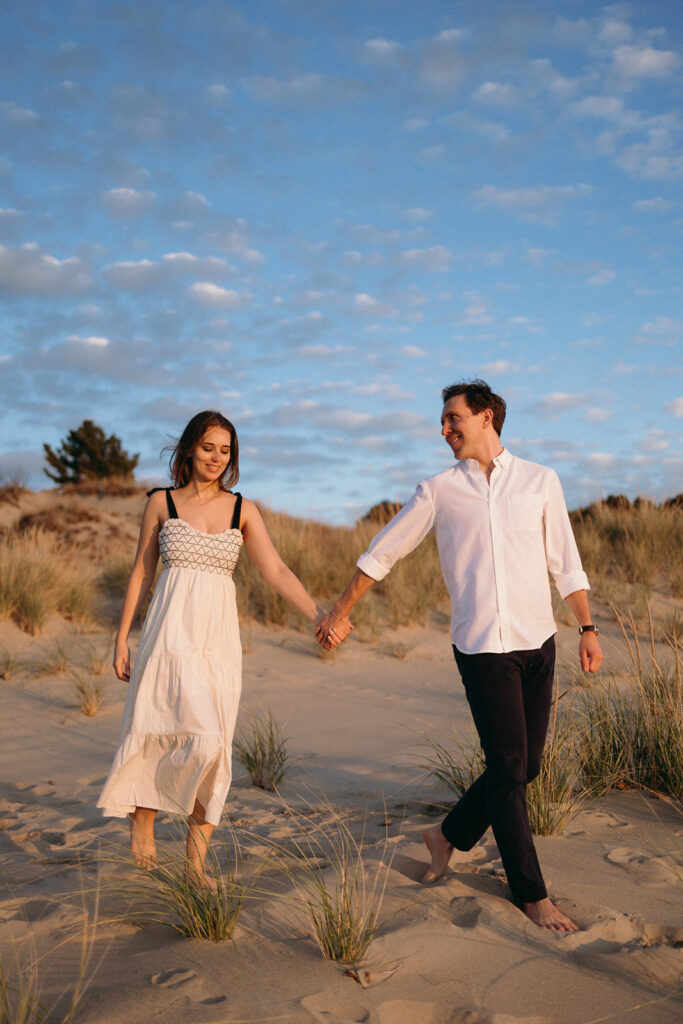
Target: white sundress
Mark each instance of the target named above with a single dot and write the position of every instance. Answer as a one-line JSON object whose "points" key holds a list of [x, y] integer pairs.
{"points": [[184, 691]]}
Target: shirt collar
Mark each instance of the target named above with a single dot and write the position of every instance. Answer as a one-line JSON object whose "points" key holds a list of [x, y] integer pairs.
{"points": [[503, 460], [472, 466]]}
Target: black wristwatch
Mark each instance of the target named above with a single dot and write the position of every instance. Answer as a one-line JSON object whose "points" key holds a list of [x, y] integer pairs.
{"points": [[589, 629]]}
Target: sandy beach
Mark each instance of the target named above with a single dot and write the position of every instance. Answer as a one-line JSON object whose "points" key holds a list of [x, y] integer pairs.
{"points": [[458, 952]]}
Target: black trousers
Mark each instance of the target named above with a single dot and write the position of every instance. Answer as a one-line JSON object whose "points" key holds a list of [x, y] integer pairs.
{"points": [[510, 697]]}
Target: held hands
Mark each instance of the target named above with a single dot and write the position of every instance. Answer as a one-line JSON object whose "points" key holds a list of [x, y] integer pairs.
{"points": [[590, 652], [331, 630]]}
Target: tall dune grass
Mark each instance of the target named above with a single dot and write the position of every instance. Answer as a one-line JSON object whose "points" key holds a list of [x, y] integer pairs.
{"points": [[39, 576], [635, 733], [632, 545]]}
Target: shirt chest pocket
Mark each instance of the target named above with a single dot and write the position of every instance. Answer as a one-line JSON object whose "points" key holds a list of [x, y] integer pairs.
{"points": [[525, 511]]}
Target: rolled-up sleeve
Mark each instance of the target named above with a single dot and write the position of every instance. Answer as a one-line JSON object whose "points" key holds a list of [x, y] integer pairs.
{"points": [[562, 554], [399, 537]]}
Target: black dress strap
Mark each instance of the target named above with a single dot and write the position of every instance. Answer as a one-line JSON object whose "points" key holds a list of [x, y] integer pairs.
{"points": [[169, 500], [235, 524]]}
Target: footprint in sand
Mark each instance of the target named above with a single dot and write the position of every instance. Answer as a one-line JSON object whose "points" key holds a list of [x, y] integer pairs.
{"points": [[187, 980], [466, 912], [330, 1009], [643, 866], [409, 1011]]}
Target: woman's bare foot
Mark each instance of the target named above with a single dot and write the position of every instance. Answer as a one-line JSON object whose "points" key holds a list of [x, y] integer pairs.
{"points": [[142, 843], [440, 851], [199, 879], [545, 914]]}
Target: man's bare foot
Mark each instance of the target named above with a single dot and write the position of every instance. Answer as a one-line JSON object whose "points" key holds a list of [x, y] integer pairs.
{"points": [[142, 843], [545, 914], [440, 851]]}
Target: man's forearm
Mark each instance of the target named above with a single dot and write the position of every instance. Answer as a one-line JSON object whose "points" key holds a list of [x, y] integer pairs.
{"points": [[580, 605], [359, 583]]}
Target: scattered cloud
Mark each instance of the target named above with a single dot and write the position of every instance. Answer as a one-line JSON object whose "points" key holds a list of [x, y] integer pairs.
{"points": [[535, 202], [127, 202], [214, 297], [29, 270], [675, 408], [558, 403]]}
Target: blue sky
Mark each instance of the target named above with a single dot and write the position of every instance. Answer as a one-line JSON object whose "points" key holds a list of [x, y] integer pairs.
{"points": [[313, 214]]}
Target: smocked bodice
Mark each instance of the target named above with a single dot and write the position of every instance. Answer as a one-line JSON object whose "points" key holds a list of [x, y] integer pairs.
{"points": [[184, 547]]}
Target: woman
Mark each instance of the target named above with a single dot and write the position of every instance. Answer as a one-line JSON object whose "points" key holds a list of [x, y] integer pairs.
{"points": [[178, 723]]}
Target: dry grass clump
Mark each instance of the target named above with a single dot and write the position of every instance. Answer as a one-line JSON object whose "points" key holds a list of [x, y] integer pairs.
{"points": [[89, 692], [39, 577], [50, 659], [21, 1000], [635, 735], [337, 892], [632, 544], [105, 487], [9, 662], [12, 488], [262, 750]]}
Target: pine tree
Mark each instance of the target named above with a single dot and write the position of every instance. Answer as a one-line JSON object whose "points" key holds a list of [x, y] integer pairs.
{"points": [[88, 454]]}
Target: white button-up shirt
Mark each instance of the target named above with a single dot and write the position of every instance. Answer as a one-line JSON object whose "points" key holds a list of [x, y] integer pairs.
{"points": [[497, 541]]}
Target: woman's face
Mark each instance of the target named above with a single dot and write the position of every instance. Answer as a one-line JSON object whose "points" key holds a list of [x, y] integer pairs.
{"points": [[211, 455]]}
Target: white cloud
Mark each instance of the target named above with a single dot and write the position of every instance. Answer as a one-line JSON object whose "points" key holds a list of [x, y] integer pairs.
{"points": [[536, 201], [413, 352], [214, 297], [382, 48], [675, 408], [663, 330], [601, 277], [499, 366], [558, 402], [497, 93], [30, 271], [417, 213], [655, 441], [602, 460], [596, 414], [365, 305], [18, 115], [133, 275], [217, 92], [477, 312], [436, 258], [657, 204], [127, 202], [634, 62], [93, 340], [605, 107]]}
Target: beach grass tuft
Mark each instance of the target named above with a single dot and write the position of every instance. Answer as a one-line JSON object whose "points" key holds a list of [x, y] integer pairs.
{"points": [[38, 578], [635, 732], [21, 982], [9, 662], [51, 659], [89, 692], [339, 894], [261, 748]]}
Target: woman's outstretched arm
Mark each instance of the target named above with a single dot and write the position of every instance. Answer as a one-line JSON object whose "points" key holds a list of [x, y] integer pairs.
{"points": [[141, 579], [271, 566]]}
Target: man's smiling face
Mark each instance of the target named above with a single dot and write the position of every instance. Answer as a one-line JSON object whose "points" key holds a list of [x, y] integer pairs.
{"points": [[463, 429]]}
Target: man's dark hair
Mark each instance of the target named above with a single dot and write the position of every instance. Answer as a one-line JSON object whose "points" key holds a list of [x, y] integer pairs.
{"points": [[479, 396]]}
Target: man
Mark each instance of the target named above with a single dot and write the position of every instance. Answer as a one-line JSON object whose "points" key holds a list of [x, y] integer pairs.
{"points": [[501, 523]]}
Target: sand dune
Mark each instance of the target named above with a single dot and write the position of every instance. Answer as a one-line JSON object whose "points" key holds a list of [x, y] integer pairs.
{"points": [[455, 953]]}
